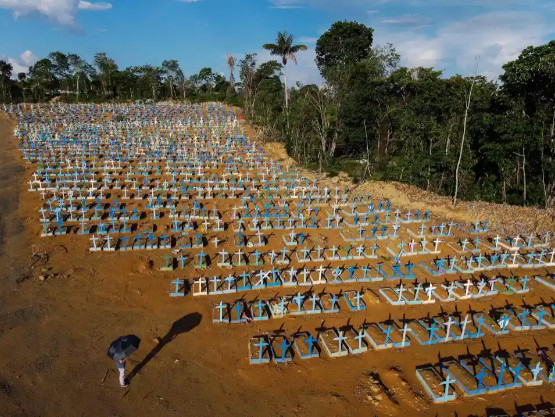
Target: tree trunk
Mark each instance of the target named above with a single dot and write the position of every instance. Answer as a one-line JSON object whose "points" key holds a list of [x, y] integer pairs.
{"points": [[285, 82], [524, 173], [542, 158], [553, 125], [463, 136]]}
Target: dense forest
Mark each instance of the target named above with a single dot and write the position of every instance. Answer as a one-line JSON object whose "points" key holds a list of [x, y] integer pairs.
{"points": [[463, 136]]}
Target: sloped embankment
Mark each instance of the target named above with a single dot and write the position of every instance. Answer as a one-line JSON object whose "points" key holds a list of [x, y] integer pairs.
{"points": [[503, 218]]}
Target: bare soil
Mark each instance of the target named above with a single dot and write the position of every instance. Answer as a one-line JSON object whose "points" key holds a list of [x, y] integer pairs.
{"points": [[54, 332]]}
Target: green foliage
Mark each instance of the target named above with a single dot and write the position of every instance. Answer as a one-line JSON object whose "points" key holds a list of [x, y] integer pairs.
{"points": [[345, 43], [375, 120], [284, 47], [371, 119], [532, 76]]}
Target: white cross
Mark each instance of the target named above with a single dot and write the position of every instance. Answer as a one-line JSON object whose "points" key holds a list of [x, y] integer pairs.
{"points": [[437, 241], [292, 273], [449, 323], [304, 274], [321, 270], [405, 329], [430, 290], [467, 285], [94, 239], [464, 323], [400, 292]]}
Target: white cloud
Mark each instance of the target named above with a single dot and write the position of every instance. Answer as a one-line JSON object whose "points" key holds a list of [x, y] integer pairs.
{"points": [[287, 4], [62, 12], [496, 37], [28, 58], [17, 67], [87, 5], [410, 20], [21, 63]]}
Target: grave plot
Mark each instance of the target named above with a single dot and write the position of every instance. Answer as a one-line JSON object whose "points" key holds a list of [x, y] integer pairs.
{"points": [[281, 349], [259, 350], [545, 315], [426, 332], [538, 365], [334, 343], [548, 280], [468, 381], [185, 186], [306, 345], [355, 340], [484, 377], [387, 334], [488, 373], [440, 389]]}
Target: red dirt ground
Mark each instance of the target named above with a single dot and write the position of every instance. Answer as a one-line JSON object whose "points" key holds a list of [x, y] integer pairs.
{"points": [[54, 335]]}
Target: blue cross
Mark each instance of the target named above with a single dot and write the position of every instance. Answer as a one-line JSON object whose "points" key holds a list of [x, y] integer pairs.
{"points": [[261, 345], [284, 346]]}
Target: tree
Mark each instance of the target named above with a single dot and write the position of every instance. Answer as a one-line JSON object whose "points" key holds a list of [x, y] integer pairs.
{"points": [[107, 67], [344, 44], [231, 65], [532, 76], [5, 74], [208, 79], [148, 78], [324, 121], [247, 69], [172, 74], [386, 59], [21, 77], [286, 50], [530, 79], [467, 107], [80, 69], [60, 68], [42, 78]]}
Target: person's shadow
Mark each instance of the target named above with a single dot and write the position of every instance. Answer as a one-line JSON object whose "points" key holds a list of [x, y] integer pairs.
{"points": [[183, 325]]}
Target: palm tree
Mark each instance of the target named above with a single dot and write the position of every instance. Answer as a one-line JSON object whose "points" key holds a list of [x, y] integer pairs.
{"points": [[231, 65], [284, 47]]}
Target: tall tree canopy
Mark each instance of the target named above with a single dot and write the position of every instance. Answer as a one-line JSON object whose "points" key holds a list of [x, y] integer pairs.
{"points": [[345, 43]]}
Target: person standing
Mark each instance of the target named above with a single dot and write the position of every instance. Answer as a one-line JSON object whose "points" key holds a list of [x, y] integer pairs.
{"points": [[119, 350], [121, 369]]}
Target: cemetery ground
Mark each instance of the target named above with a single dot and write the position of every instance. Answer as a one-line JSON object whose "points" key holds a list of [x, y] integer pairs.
{"points": [[61, 308]]}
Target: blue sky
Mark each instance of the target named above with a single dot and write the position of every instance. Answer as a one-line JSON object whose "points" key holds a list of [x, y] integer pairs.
{"points": [[446, 34]]}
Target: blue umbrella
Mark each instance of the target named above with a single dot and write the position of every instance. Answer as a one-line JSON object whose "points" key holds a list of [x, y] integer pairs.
{"points": [[123, 346]]}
